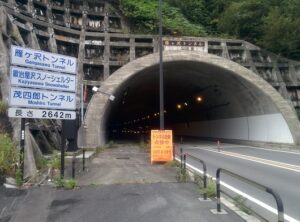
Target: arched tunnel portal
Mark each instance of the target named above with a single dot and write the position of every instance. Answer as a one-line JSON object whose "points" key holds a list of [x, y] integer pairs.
{"points": [[206, 96]]}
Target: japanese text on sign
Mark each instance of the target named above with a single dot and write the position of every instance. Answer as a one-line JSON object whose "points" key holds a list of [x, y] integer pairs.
{"points": [[41, 79], [42, 60], [22, 97], [161, 145], [41, 113], [178, 44]]}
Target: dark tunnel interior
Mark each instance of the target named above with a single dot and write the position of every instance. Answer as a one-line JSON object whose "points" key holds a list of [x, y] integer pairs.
{"points": [[193, 92]]}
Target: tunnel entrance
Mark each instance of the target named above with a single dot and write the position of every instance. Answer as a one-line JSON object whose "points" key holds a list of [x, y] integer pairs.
{"points": [[205, 96]]}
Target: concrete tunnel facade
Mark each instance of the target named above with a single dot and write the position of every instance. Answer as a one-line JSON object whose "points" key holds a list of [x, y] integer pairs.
{"points": [[238, 105]]}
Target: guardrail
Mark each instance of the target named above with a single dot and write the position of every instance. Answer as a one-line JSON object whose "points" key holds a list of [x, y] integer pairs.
{"points": [[83, 159], [204, 171], [183, 160], [276, 196], [73, 166]]}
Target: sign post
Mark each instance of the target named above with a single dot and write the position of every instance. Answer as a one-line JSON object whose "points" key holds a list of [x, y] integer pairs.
{"points": [[22, 145], [62, 152], [43, 86], [161, 145]]}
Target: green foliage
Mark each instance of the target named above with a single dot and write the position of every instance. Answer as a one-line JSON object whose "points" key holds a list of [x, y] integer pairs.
{"points": [[144, 16], [240, 202], [272, 24], [54, 162], [172, 163], [193, 10], [198, 180], [243, 19], [298, 113], [182, 175], [14, 35], [41, 162], [100, 149], [66, 184], [59, 182], [69, 184], [211, 190], [19, 179], [281, 34], [3, 106], [8, 155]]}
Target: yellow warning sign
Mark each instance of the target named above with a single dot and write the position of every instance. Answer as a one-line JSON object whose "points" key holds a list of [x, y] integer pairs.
{"points": [[161, 145]]}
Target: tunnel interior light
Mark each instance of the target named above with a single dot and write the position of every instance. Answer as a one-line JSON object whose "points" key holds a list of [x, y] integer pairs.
{"points": [[199, 99], [186, 104]]}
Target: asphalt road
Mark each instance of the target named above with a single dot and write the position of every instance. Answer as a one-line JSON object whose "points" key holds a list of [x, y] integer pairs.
{"points": [[158, 202], [267, 167]]}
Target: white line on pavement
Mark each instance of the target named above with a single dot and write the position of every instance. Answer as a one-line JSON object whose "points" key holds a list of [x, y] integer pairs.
{"points": [[254, 200], [273, 163]]}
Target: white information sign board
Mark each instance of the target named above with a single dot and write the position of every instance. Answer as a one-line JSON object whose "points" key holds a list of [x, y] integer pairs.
{"points": [[42, 60], [41, 113], [23, 97], [41, 79]]}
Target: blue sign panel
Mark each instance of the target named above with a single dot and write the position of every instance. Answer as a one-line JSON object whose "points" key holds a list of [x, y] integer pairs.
{"points": [[22, 97], [41, 79], [42, 60]]}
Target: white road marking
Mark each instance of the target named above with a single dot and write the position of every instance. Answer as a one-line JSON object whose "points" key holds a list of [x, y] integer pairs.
{"points": [[286, 166], [229, 145], [271, 150], [252, 199]]}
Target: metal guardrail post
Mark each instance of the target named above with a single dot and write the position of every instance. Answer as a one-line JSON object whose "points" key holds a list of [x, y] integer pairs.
{"points": [[184, 167], [184, 162], [204, 171], [204, 180], [73, 167], [181, 158], [279, 203], [276, 196], [218, 190], [174, 150], [83, 159]]}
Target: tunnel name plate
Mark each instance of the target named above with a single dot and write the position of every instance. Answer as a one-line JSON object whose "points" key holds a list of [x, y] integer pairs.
{"points": [[42, 60], [23, 97], [30, 78], [161, 145]]}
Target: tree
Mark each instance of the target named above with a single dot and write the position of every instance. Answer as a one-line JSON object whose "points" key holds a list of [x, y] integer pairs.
{"points": [[144, 17], [281, 34], [243, 19], [193, 10]]}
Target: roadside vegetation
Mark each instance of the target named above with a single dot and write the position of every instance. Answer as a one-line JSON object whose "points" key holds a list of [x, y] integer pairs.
{"points": [[68, 184], [240, 202], [9, 156], [210, 190], [182, 176], [3, 107], [172, 163], [272, 24], [9, 159]]}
